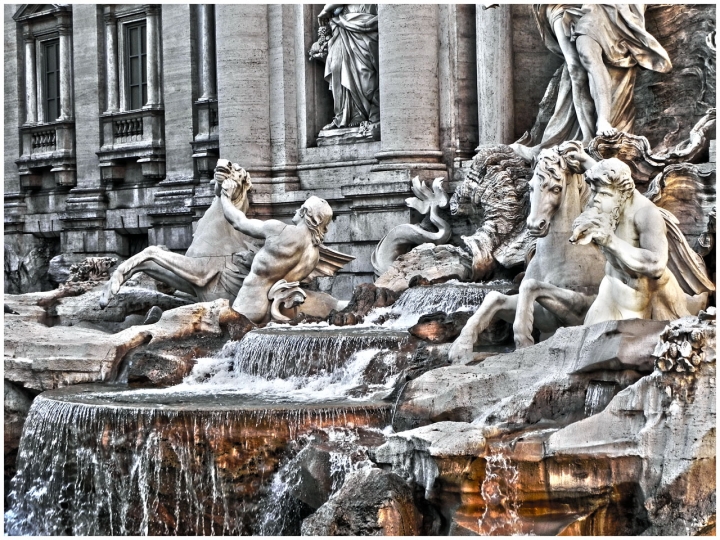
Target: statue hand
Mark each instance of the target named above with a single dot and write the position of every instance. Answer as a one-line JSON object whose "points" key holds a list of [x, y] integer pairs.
{"points": [[575, 156], [591, 226], [228, 188]]}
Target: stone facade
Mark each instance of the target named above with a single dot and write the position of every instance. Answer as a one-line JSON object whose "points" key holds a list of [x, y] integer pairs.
{"points": [[110, 177]]}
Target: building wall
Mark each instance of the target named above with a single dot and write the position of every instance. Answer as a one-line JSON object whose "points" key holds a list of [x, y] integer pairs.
{"points": [[271, 102]]}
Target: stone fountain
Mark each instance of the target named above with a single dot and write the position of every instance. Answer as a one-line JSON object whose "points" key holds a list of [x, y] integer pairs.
{"points": [[220, 392]]}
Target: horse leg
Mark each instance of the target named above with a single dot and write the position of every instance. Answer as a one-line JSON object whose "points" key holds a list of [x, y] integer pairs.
{"points": [[159, 273], [569, 307], [495, 305], [196, 272]]}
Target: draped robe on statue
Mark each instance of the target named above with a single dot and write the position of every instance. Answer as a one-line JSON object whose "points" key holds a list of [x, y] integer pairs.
{"points": [[351, 66], [619, 29]]}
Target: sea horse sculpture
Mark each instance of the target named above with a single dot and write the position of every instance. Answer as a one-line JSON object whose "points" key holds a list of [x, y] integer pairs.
{"points": [[403, 238], [561, 280], [225, 258]]}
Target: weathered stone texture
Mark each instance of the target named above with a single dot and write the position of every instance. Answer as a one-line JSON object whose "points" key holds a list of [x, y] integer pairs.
{"points": [[13, 98], [243, 86], [179, 85], [89, 91], [372, 502], [669, 105]]}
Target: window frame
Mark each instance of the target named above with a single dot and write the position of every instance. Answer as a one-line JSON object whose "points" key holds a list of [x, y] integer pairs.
{"points": [[45, 96], [129, 27], [126, 19]]}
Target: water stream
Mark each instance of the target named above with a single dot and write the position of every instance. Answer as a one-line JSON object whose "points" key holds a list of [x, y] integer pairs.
{"points": [[215, 454]]}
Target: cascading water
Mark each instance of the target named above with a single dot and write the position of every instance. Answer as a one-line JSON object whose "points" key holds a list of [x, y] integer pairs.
{"points": [[599, 394], [499, 491], [447, 297], [196, 458], [345, 450]]}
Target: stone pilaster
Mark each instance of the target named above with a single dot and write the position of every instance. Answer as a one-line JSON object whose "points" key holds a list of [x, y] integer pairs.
{"points": [[458, 82], [14, 96], [495, 74], [85, 208], [154, 94], [283, 106], [111, 62], [244, 89], [177, 73], [409, 94]]}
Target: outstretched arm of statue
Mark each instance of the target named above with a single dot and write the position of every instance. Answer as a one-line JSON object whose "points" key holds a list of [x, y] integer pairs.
{"points": [[237, 218]]}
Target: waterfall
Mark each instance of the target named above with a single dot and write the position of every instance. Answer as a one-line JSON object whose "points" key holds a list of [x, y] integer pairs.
{"points": [[599, 394], [447, 297], [292, 351], [87, 468], [499, 491]]}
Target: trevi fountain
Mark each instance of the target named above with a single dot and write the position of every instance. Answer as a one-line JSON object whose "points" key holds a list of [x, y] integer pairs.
{"points": [[530, 352]]}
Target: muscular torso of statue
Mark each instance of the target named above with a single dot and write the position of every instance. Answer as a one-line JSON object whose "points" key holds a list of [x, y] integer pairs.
{"points": [[289, 255], [625, 292]]}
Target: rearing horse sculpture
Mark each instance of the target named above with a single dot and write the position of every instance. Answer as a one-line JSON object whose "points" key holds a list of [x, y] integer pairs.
{"points": [[561, 280], [217, 260]]}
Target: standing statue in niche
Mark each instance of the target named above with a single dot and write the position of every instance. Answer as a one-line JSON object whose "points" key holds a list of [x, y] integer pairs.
{"points": [[348, 43], [649, 262], [601, 45]]}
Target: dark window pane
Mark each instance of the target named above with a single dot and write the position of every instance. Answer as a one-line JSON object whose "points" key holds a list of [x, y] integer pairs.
{"points": [[133, 40], [136, 65], [51, 79]]}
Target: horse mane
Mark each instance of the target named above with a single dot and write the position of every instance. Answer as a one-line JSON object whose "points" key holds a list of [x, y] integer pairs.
{"points": [[551, 162]]}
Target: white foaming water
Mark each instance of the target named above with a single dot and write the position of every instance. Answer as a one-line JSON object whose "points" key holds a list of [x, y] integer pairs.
{"points": [[448, 297], [214, 375]]}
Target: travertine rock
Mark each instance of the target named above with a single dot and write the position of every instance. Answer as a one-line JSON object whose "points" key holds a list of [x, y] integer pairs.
{"points": [[372, 502], [39, 357], [548, 380], [434, 264]]}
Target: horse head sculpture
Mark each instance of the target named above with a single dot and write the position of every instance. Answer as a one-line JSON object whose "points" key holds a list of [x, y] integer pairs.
{"points": [[553, 178], [226, 169]]}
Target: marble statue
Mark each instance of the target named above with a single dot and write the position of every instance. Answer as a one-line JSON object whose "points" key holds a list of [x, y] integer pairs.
{"points": [[601, 45], [562, 279], [348, 43], [638, 241], [225, 255], [403, 238], [216, 262], [289, 252]]}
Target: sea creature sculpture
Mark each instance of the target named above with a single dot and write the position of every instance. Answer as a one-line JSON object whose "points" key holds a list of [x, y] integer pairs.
{"points": [[403, 238]]}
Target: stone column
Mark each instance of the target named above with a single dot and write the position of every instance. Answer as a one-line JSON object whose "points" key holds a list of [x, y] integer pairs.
{"points": [[243, 75], [30, 79], [65, 71], [495, 74], [283, 99], [177, 72], [409, 96], [153, 57], [111, 64], [207, 52]]}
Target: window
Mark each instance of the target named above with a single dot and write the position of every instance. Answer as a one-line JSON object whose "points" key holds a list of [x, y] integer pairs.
{"points": [[136, 46], [51, 79]]}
